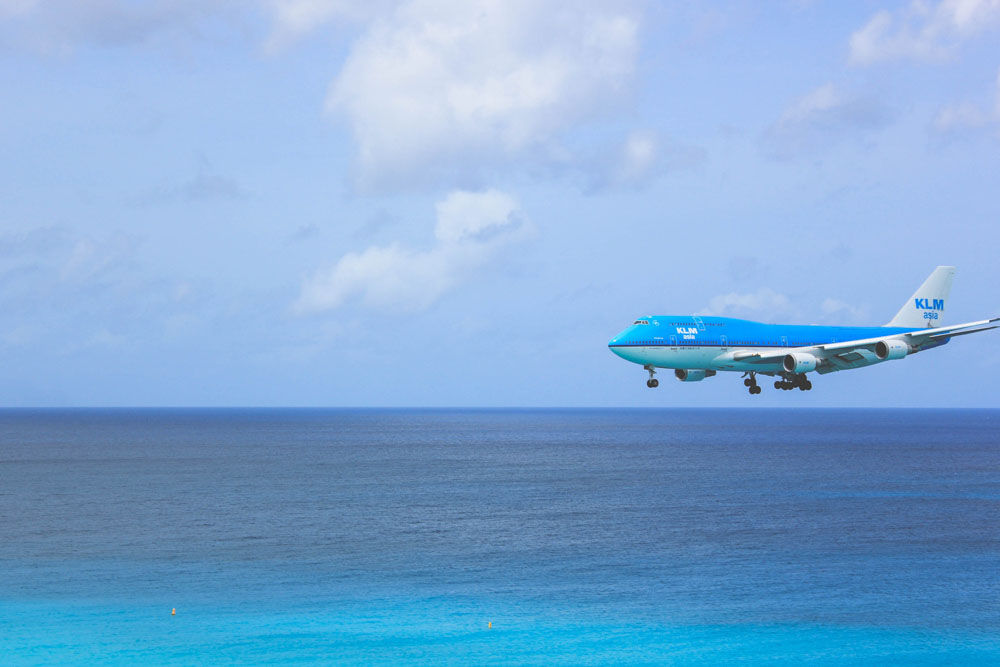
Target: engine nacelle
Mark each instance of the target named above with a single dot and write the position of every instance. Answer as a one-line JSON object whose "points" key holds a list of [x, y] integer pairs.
{"points": [[887, 350], [685, 375], [799, 362]]}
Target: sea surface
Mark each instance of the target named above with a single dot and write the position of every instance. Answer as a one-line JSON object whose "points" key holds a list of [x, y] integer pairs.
{"points": [[540, 537]]}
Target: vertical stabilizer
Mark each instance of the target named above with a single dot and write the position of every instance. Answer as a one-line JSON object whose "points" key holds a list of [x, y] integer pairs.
{"points": [[926, 307]]}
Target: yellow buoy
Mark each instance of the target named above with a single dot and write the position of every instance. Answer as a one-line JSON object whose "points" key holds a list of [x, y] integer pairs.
{"points": [[173, 612], [490, 626]]}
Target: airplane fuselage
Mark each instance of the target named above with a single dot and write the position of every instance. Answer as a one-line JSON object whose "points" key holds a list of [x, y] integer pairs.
{"points": [[700, 347], [715, 343]]}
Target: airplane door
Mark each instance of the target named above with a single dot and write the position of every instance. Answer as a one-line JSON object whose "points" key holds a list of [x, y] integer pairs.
{"points": [[784, 341], [673, 342], [723, 343]]}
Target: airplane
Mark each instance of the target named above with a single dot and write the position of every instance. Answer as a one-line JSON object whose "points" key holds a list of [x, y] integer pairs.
{"points": [[700, 347]]}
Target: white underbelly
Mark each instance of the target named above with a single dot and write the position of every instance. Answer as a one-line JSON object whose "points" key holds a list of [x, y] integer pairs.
{"points": [[701, 357]]}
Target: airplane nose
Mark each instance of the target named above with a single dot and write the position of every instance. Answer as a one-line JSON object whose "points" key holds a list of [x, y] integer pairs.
{"points": [[615, 342]]}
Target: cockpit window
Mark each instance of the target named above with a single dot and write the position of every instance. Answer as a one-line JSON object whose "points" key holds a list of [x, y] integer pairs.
{"points": [[640, 322]]}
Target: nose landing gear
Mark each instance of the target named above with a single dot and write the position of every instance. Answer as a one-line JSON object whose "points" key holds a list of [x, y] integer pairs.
{"points": [[652, 382]]}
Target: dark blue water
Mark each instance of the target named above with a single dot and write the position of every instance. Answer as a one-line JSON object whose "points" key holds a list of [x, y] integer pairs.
{"points": [[583, 536]]}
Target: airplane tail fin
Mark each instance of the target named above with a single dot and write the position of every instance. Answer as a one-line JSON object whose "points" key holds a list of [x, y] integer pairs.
{"points": [[925, 307]]}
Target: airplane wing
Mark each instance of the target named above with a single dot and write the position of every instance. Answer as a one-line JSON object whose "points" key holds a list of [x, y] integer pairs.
{"points": [[852, 353]]}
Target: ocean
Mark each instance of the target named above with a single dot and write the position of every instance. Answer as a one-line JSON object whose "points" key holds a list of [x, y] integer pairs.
{"points": [[536, 537]]}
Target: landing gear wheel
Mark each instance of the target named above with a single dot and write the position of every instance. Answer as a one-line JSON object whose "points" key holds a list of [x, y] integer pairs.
{"points": [[808, 385], [755, 389], [652, 384], [748, 383], [778, 384]]}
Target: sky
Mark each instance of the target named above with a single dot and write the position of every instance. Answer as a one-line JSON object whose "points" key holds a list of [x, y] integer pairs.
{"points": [[460, 202]]}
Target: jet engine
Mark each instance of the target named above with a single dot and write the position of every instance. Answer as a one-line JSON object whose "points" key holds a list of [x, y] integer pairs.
{"points": [[684, 375], [887, 350], [799, 362]]}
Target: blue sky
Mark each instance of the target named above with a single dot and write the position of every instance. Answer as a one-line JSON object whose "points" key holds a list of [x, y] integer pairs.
{"points": [[437, 203]]}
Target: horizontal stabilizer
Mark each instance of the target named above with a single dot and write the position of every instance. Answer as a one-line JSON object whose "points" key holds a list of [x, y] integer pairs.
{"points": [[961, 333]]}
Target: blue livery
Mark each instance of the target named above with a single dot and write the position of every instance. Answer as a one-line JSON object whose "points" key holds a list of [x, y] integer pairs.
{"points": [[699, 347]]}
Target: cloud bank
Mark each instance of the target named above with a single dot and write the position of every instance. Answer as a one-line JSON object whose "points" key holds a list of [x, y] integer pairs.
{"points": [[821, 118], [441, 87], [435, 93], [970, 116], [293, 19], [765, 304], [922, 30], [769, 306], [472, 228]]}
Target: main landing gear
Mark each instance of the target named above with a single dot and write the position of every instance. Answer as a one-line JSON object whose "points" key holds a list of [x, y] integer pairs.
{"points": [[788, 382], [794, 382], [652, 382]]}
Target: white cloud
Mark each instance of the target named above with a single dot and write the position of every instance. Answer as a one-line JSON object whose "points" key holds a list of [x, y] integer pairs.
{"points": [[471, 228], [640, 158], [91, 260], [55, 268], [390, 276], [764, 304], [769, 306], [961, 115], [464, 216], [294, 18], [817, 102], [439, 84], [639, 155], [300, 16], [840, 312], [969, 116], [821, 118], [922, 30]]}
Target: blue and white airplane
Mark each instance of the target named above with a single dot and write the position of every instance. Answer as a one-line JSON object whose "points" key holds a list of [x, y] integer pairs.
{"points": [[699, 347]]}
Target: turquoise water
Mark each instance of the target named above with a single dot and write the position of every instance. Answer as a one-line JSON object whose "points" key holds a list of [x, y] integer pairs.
{"points": [[449, 632], [584, 537]]}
